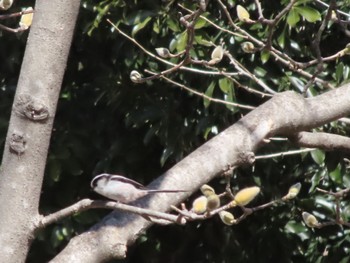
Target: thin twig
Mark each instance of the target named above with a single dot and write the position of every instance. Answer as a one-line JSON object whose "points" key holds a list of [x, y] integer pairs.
{"points": [[200, 94], [13, 30], [6, 16], [250, 90], [273, 23], [278, 55], [321, 140], [213, 24], [327, 6], [281, 154], [247, 73], [86, 204], [338, 194], [200, 71]]}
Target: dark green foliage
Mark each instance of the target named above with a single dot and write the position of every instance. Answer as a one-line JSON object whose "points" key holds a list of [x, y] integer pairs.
{"points": [[106, 123]]}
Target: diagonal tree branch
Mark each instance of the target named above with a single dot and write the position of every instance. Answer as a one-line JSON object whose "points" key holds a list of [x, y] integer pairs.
{"points": [[285, 114]]}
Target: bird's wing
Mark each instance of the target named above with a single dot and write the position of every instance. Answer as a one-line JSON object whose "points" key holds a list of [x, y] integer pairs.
{"points": [[127, 180]]}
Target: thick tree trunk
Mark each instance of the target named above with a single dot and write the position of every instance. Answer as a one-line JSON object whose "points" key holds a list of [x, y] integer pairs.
{"points": [[32, 116], [285, 114]]}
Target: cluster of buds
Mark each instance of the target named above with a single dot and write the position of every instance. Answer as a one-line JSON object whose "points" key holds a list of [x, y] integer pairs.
{"points": [[210, 201], [207, 202]]}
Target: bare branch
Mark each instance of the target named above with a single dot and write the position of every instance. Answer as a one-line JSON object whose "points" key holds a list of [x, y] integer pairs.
{"points": [[6, 16], [284, 114], [200, 71], [87, 204], [200, 94], [214, 25], [327, 6], [281, 154], [278, 55], [251, 90], [13, 30], [247, 73], [325, 141], [272, 23], [338, 196]]}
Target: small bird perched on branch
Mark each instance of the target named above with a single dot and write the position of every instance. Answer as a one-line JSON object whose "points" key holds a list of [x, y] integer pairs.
{"points": [[122, 189]]}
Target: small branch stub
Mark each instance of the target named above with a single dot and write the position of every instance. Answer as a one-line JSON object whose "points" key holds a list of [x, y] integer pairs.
{"points": [[29, 107], [246, 158], [17, 143]]}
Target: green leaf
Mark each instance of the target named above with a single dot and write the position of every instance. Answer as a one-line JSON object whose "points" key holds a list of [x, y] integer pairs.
{"points": [[346, 180], [156, 28], [58, 235], [293, 18], [173, 25], [322, 203], [54, 169], [139, 26], [336, 175], [200, 23], [165, 155], [346, 72], [318, 156], [315, 180], [151, 133], [73, 167], [339, 72], [230, 97], [257, 180], [298, 229], [86, 218], [260, 72], [206, 133], [281, 40], [139, 17], [181, 41], [297, 82], [310, 14], [202, 40], [345, 260], [225, 85], [209, 93], [264, 56]]}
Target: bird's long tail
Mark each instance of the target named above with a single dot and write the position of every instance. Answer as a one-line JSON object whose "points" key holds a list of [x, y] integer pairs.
{"points": [[166, 191]]}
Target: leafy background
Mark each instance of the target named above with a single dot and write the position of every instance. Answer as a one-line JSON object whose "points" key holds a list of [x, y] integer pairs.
{"points": [[106, 123]]}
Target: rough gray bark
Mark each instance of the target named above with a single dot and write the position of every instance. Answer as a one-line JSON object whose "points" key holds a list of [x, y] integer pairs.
{"points": [[32, 116], [285, 114]]}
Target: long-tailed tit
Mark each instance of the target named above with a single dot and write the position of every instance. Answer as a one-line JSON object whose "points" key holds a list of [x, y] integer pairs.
{"points": [[122, 189]]}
